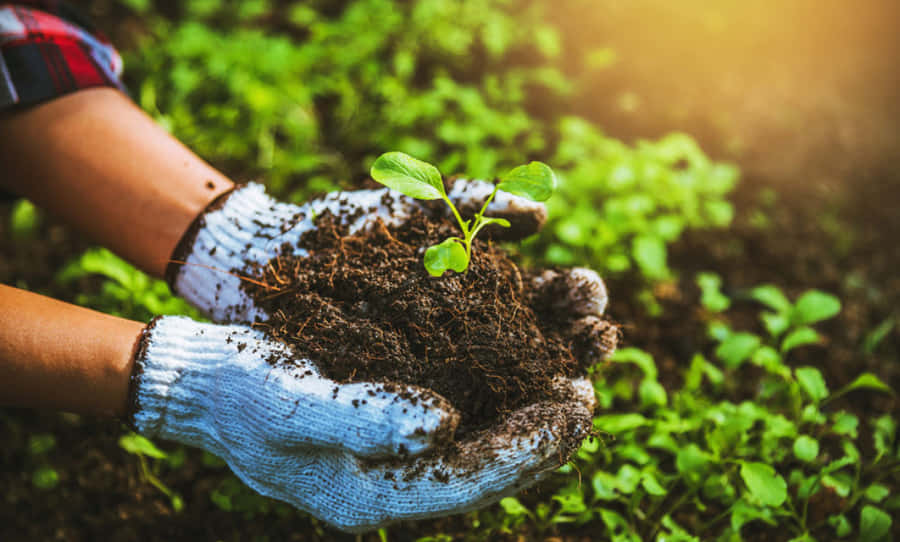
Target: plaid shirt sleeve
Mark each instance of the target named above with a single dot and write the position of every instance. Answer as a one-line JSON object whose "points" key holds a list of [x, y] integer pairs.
{"points": [[45, 53]]}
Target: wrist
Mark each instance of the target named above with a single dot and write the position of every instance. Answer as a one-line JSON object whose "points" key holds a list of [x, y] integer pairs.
{"points": [[244, 227], [172, 370]]}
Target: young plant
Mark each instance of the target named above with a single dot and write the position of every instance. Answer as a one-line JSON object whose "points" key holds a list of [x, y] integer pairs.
{"points": [[421, 180]]}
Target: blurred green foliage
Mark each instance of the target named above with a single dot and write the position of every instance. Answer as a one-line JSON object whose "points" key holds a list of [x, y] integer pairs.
{"points": [[24, 220], [125, 290], [695, 453], [619, 206], [310, 102]]}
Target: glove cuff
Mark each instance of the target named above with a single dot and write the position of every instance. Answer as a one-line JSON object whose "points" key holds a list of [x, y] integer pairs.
{"points": [[173, 377], [246, 227]]}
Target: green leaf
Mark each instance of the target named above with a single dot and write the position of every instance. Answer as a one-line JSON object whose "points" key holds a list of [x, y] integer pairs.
{"points": [[840, 524], [649, 251], [619, 423], [771, 296], [837, 464], [513, 507], [812, 382], [720, 213], [743, 512], [604, 485], [676, 532], [668, 227], [651, 485], [45, 478], [449, 254], [534, 181], [139, 6], [806, 448], [764, 484], [736, 348], [840, 482], [814, 306], [711, 295], [495, 220], [877, 492], [884, 434], [692, 462], [867, 381], [652, 393], [221, 500], [570, 503], [874, 524], [627, 479], [24, 219], [811, 413], [137, 444], [850, 450], [177, 502], [41, 444], [799, 337], [616, 525], [405, 174], [776, 323], [718, 487], [806, 486], [845, 424], [637, 356], [874, 337]]}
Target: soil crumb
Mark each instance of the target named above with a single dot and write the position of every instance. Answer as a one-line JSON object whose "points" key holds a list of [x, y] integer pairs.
{"points": [[363, 308]]}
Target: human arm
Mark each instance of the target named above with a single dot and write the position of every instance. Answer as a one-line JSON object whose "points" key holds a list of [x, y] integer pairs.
{"points": [[99, 163], [58, 356]]}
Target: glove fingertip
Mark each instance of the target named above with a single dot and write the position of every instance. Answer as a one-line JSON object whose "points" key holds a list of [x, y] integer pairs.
{"points": [[427, 418], [399, 420]]}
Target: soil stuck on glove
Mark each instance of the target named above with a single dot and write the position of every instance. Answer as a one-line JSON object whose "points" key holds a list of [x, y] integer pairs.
{"points": [[363, 308]]}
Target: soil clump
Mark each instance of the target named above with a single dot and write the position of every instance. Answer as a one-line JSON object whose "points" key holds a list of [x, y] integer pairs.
{"points": [[363, 308]]}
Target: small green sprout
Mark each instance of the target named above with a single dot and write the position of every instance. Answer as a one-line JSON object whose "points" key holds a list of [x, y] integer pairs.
{"points": [[421, 180]]}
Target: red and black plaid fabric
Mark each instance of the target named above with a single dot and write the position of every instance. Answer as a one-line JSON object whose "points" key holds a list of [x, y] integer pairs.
{"points": [[47, 50]]}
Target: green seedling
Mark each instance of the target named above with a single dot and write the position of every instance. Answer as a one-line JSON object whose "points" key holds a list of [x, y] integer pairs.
{"points": [[421, 180]]}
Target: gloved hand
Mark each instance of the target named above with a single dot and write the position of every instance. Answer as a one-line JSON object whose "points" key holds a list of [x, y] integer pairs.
{"points": [[352, 481]]}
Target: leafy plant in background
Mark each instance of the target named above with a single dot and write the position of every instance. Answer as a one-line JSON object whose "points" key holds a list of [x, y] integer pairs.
{"points": [[333, 88], [143, 448], [126, 291], [24, 220], [421, 180], [692, 465], [619, 207], [43, 477]]}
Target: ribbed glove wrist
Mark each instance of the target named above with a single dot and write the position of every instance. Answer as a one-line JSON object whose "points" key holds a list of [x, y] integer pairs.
{"points": [[172, 378], [248, 227]]}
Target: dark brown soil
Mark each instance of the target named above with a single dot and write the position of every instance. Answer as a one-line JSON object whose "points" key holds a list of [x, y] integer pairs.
{"points": [[364, 308]]}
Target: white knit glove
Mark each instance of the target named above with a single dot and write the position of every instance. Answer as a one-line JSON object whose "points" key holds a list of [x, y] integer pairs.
{"points": [[341, 452]]}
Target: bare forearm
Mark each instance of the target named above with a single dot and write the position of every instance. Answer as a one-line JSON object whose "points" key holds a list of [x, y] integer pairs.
{"points": [[59, 356], [98, 162]]}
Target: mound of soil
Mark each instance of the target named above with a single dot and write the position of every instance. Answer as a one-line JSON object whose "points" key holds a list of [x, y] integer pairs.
{"points": [[363, 308]]}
